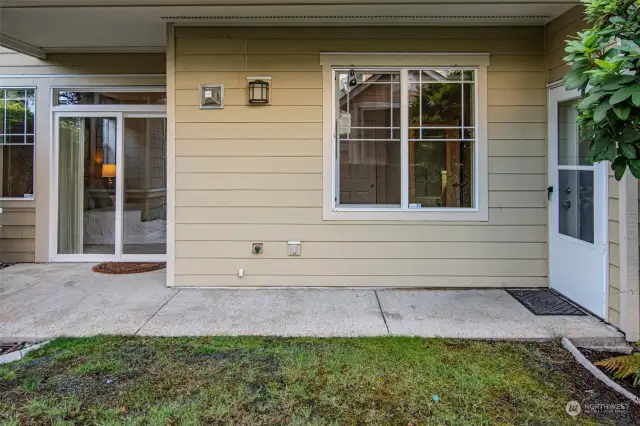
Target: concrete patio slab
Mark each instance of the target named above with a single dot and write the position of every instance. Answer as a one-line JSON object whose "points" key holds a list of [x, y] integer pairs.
{"points": [[44, 301], [483, 314], [278, 312]]}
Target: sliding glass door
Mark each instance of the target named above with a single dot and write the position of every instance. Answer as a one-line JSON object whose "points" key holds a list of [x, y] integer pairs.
{"points": [[111, 186], [144, 219]]}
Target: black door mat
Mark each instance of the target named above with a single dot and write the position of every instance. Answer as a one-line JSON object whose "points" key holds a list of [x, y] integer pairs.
{"points": [[545, 302]]}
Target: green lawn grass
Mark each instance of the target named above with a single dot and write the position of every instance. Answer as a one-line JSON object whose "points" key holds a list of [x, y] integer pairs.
{"points": [[302, 381]]}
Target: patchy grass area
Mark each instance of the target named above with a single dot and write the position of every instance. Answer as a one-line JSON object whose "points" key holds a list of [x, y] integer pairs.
{"points": [[252, 380]]}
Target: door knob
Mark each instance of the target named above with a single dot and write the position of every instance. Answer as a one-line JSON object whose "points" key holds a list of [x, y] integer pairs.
{"points": [[566, 205], [568, 190]]}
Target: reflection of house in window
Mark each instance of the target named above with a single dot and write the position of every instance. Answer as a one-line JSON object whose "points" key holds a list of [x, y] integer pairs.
{"points": [[369, 127]]}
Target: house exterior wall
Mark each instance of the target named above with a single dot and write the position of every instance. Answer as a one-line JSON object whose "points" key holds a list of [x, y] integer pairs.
{"points": [[24, 235], [556, 32], [254, 174]]}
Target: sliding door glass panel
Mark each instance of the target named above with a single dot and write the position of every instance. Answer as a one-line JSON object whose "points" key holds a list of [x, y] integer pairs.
{"points": [[87, 185], [145, 186]]}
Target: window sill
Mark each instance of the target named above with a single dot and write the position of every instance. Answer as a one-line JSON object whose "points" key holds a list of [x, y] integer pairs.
{"points": [[430, 215], [17, 199]]}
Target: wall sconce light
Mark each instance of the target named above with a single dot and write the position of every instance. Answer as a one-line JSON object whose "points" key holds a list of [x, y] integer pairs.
{"points": [[259, 90], [211, 96]]}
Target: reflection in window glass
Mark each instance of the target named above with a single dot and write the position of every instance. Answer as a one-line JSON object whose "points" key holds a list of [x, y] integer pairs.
{"points": [[440, 141], [576, 214], [17, 136], [63, 97], [368, 105], [440, 174], [369, 172], [571, 151]]}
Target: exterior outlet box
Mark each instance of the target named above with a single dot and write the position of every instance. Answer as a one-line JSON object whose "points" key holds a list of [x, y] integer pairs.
{"points": [[294, 248], [257, 248]]}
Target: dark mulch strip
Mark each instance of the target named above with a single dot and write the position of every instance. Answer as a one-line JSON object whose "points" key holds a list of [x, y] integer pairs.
{"points": [[115, 268], [5, 265], [594, 355], [596, 398]]}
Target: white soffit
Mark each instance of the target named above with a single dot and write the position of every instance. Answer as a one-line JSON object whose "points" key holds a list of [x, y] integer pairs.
{"points": [[122, 25]]}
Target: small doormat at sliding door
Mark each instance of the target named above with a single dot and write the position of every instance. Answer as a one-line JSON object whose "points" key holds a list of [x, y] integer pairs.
{"points": [[545, 302], [118, 268]]}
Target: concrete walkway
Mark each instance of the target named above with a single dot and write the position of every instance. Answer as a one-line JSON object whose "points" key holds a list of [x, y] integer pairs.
{"points": [[40, 301]]}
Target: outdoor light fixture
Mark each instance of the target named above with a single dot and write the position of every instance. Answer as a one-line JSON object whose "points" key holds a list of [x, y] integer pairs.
{"points": [[259, 90], [211, 96]]}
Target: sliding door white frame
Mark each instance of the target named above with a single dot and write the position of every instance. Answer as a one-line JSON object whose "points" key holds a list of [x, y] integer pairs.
{"points": [[55, 205], [119, 196]]}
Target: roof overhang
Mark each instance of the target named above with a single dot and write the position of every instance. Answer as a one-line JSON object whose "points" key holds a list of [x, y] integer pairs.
{"points": [[39, 26]]}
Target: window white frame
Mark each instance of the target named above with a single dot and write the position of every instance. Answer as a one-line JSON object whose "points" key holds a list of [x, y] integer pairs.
{"points": [[33, 161], [120, 113], [403, 62]]}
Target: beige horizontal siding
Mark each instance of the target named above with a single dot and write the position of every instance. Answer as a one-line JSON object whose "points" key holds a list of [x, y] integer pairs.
{"points": [[254, 174], [557, 32], [359, 231], [290, 280], [389, 267], [312, 215], [365, 250], [85, 63], [17, 234]]}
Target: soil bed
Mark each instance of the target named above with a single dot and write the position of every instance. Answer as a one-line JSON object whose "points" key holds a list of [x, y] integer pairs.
{"points": [[594, 355]]}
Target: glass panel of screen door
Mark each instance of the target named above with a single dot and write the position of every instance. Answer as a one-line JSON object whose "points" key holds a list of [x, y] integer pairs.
{"points": [[575, 178]]}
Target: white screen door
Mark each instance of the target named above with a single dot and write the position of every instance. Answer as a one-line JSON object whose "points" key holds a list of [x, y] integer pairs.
{"points": [[577, 209]]}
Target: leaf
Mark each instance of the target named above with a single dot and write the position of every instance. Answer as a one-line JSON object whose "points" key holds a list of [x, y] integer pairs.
{"points": [[611, 153], [629, 46], [588, 101], [630, 135], [635, 99], [619, 166], [628, 150], [600, 112], [614, 82], [622, 111], [623, 93], [605, 64], [570, 57], [621, 366], [636, 174]]}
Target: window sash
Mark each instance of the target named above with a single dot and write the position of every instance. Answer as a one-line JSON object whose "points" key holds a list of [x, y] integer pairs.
{"points": [[404, 140], [28, 96]]}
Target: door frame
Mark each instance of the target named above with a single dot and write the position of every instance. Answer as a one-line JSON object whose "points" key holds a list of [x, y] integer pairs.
{"points": [[120, 116], [556, 94]]}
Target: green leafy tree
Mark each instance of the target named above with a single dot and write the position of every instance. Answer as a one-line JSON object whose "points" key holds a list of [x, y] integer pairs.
{"points": [[604, 66]]}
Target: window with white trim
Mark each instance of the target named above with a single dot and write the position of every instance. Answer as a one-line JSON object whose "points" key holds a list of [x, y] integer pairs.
{"points": [[405, 138], [17, 140]]}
